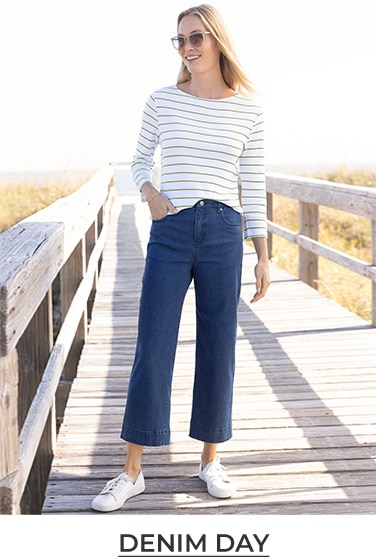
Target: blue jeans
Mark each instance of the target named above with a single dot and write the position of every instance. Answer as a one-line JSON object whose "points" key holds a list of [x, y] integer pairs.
{"points": [[203, 244]]}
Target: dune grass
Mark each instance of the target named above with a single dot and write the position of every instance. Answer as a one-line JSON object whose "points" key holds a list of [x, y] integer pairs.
{"points": [[20, 200]]}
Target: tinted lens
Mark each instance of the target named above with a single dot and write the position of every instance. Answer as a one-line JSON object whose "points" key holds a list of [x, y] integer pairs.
{"points": [[196, 39], [180, 42]]}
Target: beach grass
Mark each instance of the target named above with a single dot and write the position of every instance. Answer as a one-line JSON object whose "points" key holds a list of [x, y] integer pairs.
{"points": [[20, 200]]}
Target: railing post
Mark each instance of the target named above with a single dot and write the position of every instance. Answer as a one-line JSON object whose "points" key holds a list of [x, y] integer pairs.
{"points": [[373, 243], [71, 275], [8, 431], [91, 238], [99, 230], [33, 350], [308, 226], [269, 214]]}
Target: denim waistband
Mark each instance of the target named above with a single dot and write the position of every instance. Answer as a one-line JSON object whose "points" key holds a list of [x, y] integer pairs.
{"points": [[211, 203]]}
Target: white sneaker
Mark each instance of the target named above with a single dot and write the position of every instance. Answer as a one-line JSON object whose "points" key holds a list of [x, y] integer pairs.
{"points": [[214, 475], [117, 491]]}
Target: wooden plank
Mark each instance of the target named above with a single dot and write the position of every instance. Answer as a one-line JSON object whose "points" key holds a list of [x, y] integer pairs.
{"points": [[169, 507], [353, 199], [310, 246], [31, 257], [290, 486], [248, 501], [113, 455], [102, 469]]}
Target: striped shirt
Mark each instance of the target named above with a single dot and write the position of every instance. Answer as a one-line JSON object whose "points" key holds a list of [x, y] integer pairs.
{"points": [[206, 144]]}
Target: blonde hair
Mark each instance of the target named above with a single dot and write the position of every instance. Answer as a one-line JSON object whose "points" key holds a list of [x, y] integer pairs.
{"points": [[232, 71]]}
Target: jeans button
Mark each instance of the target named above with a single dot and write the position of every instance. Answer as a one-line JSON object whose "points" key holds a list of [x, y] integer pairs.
{"points": [[201, 203]]}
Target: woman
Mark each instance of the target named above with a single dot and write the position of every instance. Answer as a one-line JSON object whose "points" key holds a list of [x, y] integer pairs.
{"points": [[210, 131]]}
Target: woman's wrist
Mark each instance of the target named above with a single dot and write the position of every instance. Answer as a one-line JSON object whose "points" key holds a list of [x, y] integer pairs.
{"points": [[261, 247], [153, 197], [149, 191]]}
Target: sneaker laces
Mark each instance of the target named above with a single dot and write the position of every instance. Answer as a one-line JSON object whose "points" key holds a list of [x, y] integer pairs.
{"points": [[116, 483], [216, 469]]}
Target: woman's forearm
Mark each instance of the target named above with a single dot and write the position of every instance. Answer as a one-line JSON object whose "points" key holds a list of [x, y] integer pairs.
{"points": [[261, 247]]}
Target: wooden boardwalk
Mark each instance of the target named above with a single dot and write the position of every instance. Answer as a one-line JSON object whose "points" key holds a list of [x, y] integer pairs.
{"points": [[304, 402]]}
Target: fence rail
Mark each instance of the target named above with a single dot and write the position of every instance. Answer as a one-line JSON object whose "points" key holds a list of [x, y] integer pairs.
{"points": [[312, 193], [61, 244]]}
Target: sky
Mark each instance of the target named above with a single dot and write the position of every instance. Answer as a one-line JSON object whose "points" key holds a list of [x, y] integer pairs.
{"points": [[75, 76]]}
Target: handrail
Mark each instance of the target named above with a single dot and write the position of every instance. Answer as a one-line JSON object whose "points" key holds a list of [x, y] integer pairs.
{"points": [[66, 239], [311, 193]]}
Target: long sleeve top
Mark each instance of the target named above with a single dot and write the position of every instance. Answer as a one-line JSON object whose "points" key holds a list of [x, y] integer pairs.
{"points": [[206, 145]]}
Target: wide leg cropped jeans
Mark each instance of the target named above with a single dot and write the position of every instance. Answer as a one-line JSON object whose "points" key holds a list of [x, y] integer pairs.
{"points": [[203, 244]]}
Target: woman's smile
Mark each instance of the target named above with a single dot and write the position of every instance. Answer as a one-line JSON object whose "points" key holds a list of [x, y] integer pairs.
{"points": [[192, 57]]}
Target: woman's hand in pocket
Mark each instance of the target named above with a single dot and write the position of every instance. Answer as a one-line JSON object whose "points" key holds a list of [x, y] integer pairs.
{"points": [[160, 206]]}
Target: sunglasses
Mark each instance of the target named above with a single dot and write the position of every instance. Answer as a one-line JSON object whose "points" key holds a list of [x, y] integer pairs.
{"points": [[196, 39]]}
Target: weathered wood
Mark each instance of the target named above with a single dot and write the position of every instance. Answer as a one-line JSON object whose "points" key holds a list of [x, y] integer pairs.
{"points": [[308, 226], [311, 194], [305, 389], [90, 241], [8, 434], [304, 400], [373, 261], [330, 500], [186, 481], [71, 275], [358, 200], [32, 254], [307, 244], [32, 359], [269, 214], [45, 395], [34, 250]]}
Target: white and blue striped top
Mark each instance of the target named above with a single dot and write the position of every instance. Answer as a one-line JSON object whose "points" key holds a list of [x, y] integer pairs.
{"points": [[205, 145]]}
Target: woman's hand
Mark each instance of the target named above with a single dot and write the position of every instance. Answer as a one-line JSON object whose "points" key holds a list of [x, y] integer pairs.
{"points": [[261, 269], [159, 205], [262, 280]]}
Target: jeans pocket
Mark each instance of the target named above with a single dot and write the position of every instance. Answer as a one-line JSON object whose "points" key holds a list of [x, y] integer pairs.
{"points": [[160, 220], [230, 216]]}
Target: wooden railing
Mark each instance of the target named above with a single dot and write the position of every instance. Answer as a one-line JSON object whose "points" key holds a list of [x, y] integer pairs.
{"points": [[311, 194], [60, 246]]}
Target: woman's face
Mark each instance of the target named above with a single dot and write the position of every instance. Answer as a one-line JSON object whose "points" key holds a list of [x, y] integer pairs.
{"points": [[198, 59]]}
